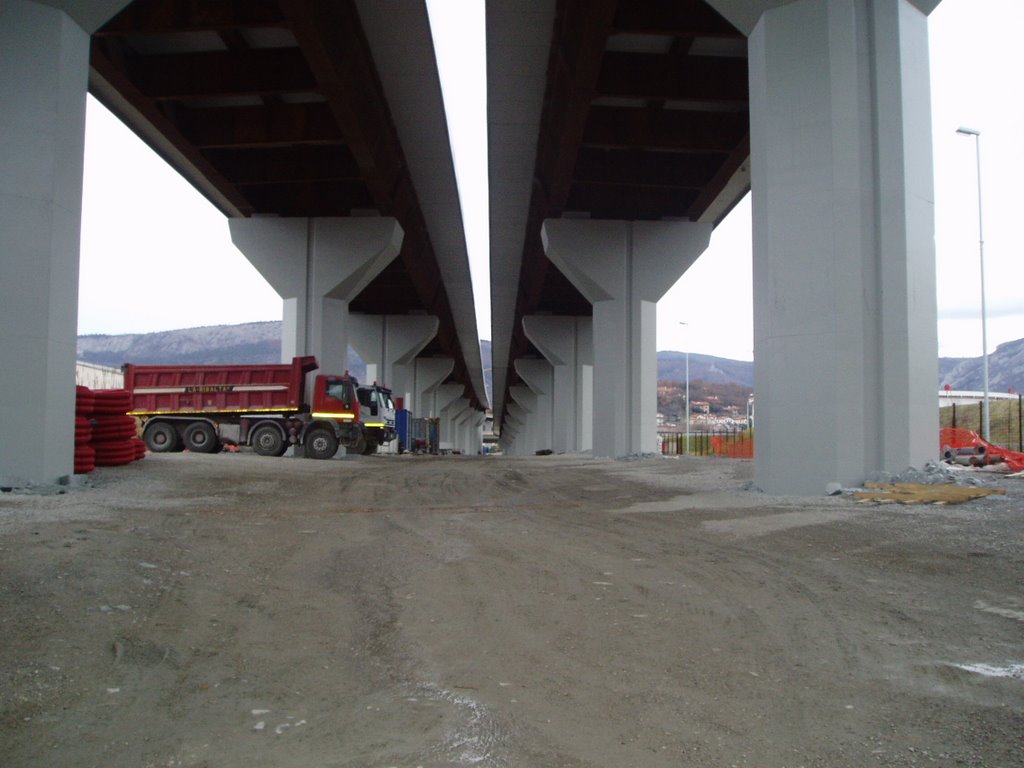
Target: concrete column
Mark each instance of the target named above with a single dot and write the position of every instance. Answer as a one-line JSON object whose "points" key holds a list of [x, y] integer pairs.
{"points": [[44, 67], [429, 372], [389, 345], [566, 343], [518, 430], [444, 397], [623, 268], [526, 414], [464, 429], [844, 264], [318, 266], [477, 435], [459, 432], [539, 377], [450, 418]]}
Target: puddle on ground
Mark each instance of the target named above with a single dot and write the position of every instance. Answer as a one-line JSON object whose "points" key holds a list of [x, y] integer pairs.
{"points": [[475, 737], [1012, 671]]}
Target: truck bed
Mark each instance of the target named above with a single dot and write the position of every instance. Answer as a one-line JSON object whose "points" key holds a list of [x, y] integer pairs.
{"points": [[169, 389]]}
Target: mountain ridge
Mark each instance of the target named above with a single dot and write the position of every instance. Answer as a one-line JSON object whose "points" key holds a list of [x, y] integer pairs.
{"points": [[260, 342]]}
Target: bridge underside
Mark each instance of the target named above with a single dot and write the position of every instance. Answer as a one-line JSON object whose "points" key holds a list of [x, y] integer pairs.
{"points": [[620, 134], [608, 118]]}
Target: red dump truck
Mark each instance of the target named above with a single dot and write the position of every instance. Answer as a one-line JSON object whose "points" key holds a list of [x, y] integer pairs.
{"points": [[199, 406]]}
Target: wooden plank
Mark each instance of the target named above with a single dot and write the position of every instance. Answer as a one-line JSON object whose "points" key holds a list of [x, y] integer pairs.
{"points": [[920, 493]]}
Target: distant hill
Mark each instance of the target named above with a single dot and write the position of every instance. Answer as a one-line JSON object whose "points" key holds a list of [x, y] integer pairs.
{"points": [[1005, 370], [714, 370], [261, 343]]}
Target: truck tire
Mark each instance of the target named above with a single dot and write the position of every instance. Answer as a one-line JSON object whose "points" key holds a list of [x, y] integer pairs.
{"points": [[321, 443], [200, 437], [161, 437], [267, 440], [370, 449]]}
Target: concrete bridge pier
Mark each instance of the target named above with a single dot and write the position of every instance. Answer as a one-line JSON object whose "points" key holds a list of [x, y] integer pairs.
{"points": [[623, 268], [467, 433], [445, 404], [450, 419], [567, 343], [430, 372], [844, 258], [44, 71], [525, 403], [515, 431], [317, 266], [539, 377], [389, 345]]}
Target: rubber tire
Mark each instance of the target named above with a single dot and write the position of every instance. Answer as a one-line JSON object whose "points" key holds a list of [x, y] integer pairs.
{"points": [[267, 440], [321, 443], [200, 437], [161, 437], [370, 449]]}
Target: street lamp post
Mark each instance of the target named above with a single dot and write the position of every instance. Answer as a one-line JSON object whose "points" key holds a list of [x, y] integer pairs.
{"points": [[981, 252], [687, 396]]}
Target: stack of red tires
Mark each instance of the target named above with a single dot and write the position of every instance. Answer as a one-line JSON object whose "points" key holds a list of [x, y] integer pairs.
{"points": [[101, 418], [85, 455]]}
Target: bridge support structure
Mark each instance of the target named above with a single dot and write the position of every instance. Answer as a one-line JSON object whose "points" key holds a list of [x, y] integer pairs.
{"points": [[389, 345], [539, 377], [524, 410], [567, 344], [623, 268], [844, 262], [317, 266], [430, 373], [44, 71]]}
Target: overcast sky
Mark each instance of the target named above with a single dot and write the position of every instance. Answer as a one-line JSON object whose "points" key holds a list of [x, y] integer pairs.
{"points": [[157, 256]]}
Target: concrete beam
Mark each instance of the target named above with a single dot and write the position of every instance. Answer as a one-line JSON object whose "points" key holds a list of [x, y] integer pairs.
{"points": [[744, 14]]}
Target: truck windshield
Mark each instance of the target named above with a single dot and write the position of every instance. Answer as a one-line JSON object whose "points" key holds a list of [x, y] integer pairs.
{"points": [[339, 389]]}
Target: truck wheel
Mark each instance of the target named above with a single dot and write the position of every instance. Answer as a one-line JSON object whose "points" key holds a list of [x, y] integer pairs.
{"points": [[268, 441], [161, 437], [370, 449], [321, 443], [201, 438]]}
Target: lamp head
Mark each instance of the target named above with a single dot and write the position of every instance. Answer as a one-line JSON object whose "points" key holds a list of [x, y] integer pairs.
{"points": [[968, 131]]}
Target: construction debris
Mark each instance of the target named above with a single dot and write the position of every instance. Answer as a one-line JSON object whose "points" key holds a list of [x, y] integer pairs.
{"points": [[919, 493]]}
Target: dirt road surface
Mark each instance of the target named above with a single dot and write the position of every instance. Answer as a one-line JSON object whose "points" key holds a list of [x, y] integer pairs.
{"points": [[232, 610]]}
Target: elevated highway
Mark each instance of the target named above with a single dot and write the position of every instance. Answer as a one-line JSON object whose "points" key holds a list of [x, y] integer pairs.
{"points": [[620, 134]]}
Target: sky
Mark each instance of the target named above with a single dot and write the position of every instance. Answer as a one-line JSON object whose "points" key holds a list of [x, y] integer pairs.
{"points": [[157, 256]]}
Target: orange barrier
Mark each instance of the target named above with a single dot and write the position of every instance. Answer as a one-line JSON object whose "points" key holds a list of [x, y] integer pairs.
{"points": [[957, 438], [733, 446]]}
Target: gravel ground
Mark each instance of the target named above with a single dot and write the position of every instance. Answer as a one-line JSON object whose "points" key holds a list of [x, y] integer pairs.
{"points": [[233, 610]]}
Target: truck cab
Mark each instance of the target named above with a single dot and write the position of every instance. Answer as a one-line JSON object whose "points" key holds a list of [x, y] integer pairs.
{"points": [[378, 416]]}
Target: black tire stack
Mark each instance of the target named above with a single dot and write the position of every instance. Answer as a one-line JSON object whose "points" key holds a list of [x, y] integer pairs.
{"points": [[112, 439]]}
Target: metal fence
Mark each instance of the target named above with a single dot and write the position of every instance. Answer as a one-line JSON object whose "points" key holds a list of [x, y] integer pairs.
{"points": [[737, 444], [1006, 421]]}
